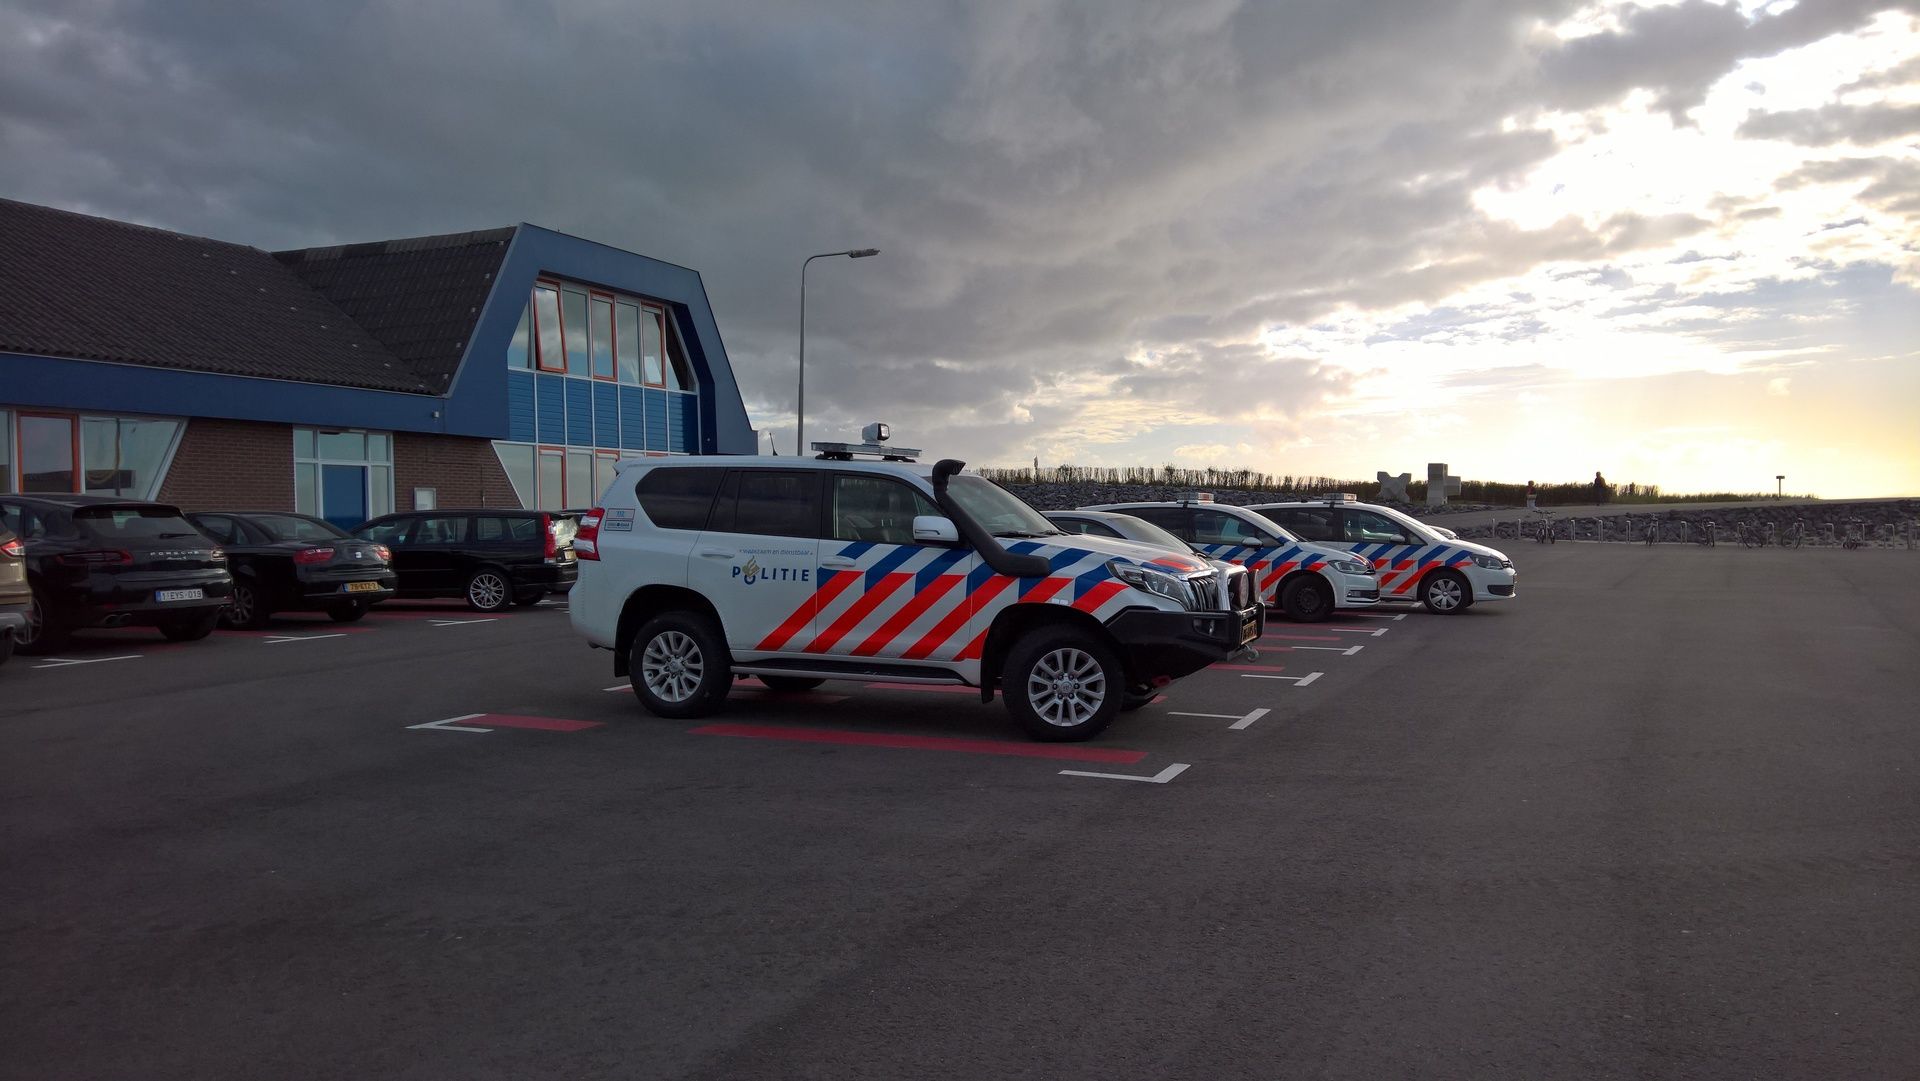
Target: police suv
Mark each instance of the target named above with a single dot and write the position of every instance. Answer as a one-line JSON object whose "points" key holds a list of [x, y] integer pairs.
{"points": [[1416, 561], [697, 571], [1306, 581]]}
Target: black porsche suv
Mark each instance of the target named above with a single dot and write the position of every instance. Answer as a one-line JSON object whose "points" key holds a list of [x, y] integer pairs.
{"points": [[103, 561]]}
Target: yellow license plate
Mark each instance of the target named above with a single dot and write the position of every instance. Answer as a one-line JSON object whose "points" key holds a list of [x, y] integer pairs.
{"points": [[363, 587]]}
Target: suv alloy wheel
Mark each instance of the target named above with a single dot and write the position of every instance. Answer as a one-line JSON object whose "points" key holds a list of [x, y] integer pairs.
{"points": [[680, 666]]}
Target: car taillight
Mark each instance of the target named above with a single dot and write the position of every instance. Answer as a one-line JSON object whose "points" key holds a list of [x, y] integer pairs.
{"points": [[385, 553], [218, 555], [550, 529], [104, 557], [14, 548], [586, 543], [313, 555]]}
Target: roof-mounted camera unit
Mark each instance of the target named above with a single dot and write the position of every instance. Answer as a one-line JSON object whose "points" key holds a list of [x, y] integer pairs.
{"points": [[875, 435]]}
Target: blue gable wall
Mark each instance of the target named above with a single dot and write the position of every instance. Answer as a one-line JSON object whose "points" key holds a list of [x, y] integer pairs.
{"points": [[477, 403]]}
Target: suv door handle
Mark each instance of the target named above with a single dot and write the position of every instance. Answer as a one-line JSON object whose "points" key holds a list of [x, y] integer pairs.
{"points": [[835, 563], [717, 553]]}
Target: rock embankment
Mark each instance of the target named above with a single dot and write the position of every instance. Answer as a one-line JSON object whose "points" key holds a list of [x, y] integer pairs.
{"points": [[1884, 522]]}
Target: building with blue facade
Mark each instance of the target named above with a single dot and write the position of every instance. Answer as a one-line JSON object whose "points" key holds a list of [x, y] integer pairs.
{"points": [[506, 367]]}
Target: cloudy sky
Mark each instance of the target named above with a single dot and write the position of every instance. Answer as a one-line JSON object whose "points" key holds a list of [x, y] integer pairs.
{"points": [[1677, 242]]}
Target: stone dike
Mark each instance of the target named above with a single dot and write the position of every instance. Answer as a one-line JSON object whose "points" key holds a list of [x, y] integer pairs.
{"points": [[1882, 523]]}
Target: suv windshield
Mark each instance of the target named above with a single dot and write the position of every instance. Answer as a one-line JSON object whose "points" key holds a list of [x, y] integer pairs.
{"points": [[999, 511], [286, 527]]}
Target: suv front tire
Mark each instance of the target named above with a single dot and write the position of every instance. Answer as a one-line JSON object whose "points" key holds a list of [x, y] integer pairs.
{"points": [[679, 666], [1062, 685]]}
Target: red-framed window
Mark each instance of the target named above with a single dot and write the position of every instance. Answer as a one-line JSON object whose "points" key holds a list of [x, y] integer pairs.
{"points": [[601, 347], [549, 334], [653, 347], [47, 445]]}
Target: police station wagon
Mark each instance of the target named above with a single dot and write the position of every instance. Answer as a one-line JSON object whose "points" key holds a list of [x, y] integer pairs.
{"points": [[1416, 562], [698, 571]]}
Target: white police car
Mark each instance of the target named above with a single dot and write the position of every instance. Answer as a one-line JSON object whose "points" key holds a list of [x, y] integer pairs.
{"points": [[1305, 581], [1417, 562], [696, 571]]}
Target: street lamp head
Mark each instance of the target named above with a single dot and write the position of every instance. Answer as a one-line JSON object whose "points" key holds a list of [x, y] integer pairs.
{"points": [[863, 253]]}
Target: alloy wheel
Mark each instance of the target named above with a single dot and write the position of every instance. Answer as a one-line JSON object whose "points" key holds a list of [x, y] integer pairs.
{"points": [[1067, 687], [672, 666], [487, 591]]}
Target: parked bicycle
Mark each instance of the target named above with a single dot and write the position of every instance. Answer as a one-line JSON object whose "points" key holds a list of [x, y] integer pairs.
{"points": [[1795, 534], [1544, 532], [1752, 536], [1704, 536]]}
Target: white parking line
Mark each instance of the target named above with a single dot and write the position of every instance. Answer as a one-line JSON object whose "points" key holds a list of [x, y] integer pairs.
{"points": [[63, 662], [1375, 632], [1298, 681], [1346, 651], [1239, 721], [447, 724], [619, 687], [1378, 615], [279, 638], [1162, 777], [462, 622]]}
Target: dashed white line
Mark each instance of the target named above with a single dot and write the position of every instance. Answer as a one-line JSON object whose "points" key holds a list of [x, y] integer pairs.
{"points": [[1239, 720], [1375, 631], [1378, 615], [1298, 681], [1347, 651], [1247, 721], [63, 662], [1162, 777], [449, 724], [461, 622], [279, 638]]}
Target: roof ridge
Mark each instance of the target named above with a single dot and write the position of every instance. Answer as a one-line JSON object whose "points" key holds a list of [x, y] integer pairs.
{"points": [[121, 224]]}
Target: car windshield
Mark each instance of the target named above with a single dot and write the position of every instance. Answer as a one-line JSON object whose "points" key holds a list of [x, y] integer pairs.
{"points": [[999, 511], [288, 527], [1145, 532], [125, 522], [1411, 524]]}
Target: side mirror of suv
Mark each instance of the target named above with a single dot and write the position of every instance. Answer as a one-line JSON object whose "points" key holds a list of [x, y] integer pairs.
{"points": [[933, 529]]}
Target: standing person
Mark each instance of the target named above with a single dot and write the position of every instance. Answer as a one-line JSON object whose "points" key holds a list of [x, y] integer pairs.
{"points": [[1530, 496], [1599, 487]]}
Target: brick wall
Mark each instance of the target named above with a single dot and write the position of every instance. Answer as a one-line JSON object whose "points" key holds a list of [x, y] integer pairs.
{"points": [[231, 465], [463, 472]]}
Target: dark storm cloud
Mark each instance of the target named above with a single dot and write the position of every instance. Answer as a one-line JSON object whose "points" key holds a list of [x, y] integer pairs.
{"points": [[1056, 187]]}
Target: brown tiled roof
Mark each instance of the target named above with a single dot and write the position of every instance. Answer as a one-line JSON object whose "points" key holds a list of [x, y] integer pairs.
{"points": [[72, 285]]}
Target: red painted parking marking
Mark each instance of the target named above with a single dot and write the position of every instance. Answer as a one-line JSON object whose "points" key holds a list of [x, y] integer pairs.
{"points": [[543, 724], [931, 688], [899, 742], [1300, 637], [1250, 667]]}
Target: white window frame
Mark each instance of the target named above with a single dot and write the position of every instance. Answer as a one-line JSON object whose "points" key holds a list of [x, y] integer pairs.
{"points": [[319, 463]]}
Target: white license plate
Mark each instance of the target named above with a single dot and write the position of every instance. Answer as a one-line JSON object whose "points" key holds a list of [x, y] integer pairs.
{"points": [[164, 595]]}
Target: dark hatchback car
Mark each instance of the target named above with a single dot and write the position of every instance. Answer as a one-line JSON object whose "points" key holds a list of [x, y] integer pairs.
{"points": [[291, 562], [101, 561], [489, 558]]}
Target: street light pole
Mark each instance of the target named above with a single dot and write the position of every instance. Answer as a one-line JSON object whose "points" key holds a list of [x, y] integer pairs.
{"points": [[800, 420], [1779, 486]]}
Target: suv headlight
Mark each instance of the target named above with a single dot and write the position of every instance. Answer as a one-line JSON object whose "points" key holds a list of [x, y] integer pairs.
{"points": [[1492, 563], [1348, 566], [1152, 581]]}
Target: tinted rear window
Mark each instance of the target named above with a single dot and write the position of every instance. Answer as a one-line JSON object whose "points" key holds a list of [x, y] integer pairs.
{"points": [[679, 498], [288, 527], [771, 504], [123, 523]]}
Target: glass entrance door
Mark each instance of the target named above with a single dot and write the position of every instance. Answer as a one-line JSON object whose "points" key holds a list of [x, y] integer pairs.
{"points": [[343, 495]]}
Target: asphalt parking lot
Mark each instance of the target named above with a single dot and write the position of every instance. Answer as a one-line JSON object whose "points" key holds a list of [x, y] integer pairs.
{"points": [[1656, 817]]}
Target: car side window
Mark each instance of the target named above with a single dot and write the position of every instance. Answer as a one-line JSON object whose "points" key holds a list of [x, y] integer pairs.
{"points": [[21, 521], [877, 509], [1218, 527], [1367, 527], [1308, 524], [678, 498], [1172, 519], [491, 529], [771, 503], [391, 533], [441, 530]]}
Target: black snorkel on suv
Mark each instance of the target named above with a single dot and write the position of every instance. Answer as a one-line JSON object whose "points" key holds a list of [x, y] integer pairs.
{"points": [[983, 542]]}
